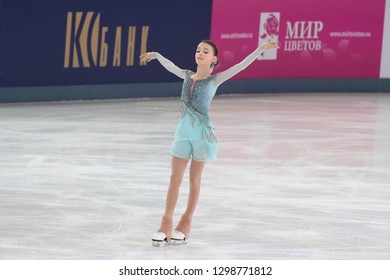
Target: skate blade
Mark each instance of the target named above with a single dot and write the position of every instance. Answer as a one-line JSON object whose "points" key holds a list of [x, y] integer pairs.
{"points": [[160, 243], [178, 242]]}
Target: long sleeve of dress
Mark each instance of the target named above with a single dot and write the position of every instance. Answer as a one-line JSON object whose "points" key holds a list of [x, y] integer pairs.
{"points": [[169, 65], [227, 74]]}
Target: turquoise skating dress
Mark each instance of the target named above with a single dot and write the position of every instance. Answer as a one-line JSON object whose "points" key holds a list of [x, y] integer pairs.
{"points": [[194, 137]]}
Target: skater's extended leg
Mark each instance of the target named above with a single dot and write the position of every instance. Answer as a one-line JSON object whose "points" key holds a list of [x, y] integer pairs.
{"points": [[184, 225]]}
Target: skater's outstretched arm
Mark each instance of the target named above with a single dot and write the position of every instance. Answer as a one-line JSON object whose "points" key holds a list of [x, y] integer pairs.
{"points": [[169, 65], [227, 74]]}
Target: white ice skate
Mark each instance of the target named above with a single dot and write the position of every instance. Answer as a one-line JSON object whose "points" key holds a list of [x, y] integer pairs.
{"points": [[159, 239], [178, 238], [162, 236], [182, 232]]}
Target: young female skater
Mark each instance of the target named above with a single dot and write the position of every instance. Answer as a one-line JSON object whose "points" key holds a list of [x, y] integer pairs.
{"points": [[194, 137]]}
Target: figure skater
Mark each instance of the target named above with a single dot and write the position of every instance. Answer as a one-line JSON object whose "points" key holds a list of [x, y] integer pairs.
{"points": [[194, 137]]}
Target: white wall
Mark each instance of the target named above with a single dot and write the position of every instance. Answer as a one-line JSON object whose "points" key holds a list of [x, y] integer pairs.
{"points": [[385, 63]]}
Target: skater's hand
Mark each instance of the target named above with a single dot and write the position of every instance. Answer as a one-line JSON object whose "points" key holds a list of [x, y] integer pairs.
{"points": [[146, 57], [270, 45]]}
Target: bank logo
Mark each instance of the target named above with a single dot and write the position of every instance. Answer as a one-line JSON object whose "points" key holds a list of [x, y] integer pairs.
{"points": [[269, 31], [87, 44]]}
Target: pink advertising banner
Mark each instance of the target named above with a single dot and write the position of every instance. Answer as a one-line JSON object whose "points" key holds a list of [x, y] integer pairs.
{"points": [[317, 38]]}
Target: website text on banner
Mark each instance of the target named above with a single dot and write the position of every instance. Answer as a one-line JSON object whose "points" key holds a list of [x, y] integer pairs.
{"points": [[318, 39]]}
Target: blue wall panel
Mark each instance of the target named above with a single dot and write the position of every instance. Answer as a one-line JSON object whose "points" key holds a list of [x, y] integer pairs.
{"points": [[2, 42], [98, 42]]}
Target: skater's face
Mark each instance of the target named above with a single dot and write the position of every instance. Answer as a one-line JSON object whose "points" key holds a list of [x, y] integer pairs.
{"points": [[204, 54]]}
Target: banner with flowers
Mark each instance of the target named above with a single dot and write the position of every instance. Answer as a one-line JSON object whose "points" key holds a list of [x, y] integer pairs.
{"points": [[318, 39]]}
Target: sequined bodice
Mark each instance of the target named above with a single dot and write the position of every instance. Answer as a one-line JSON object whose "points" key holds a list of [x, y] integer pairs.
{"points": [[198, 94]]}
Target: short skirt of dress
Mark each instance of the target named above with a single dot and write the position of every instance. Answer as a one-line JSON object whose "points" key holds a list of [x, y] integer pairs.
{"points": [[193, 140]]}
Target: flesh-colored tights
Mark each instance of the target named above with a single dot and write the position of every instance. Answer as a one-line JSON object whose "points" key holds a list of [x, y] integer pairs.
{"points": [[178, 168]]}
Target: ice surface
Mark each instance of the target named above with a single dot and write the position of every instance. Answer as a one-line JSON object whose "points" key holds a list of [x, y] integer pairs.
{"points": [[298, 176]]}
